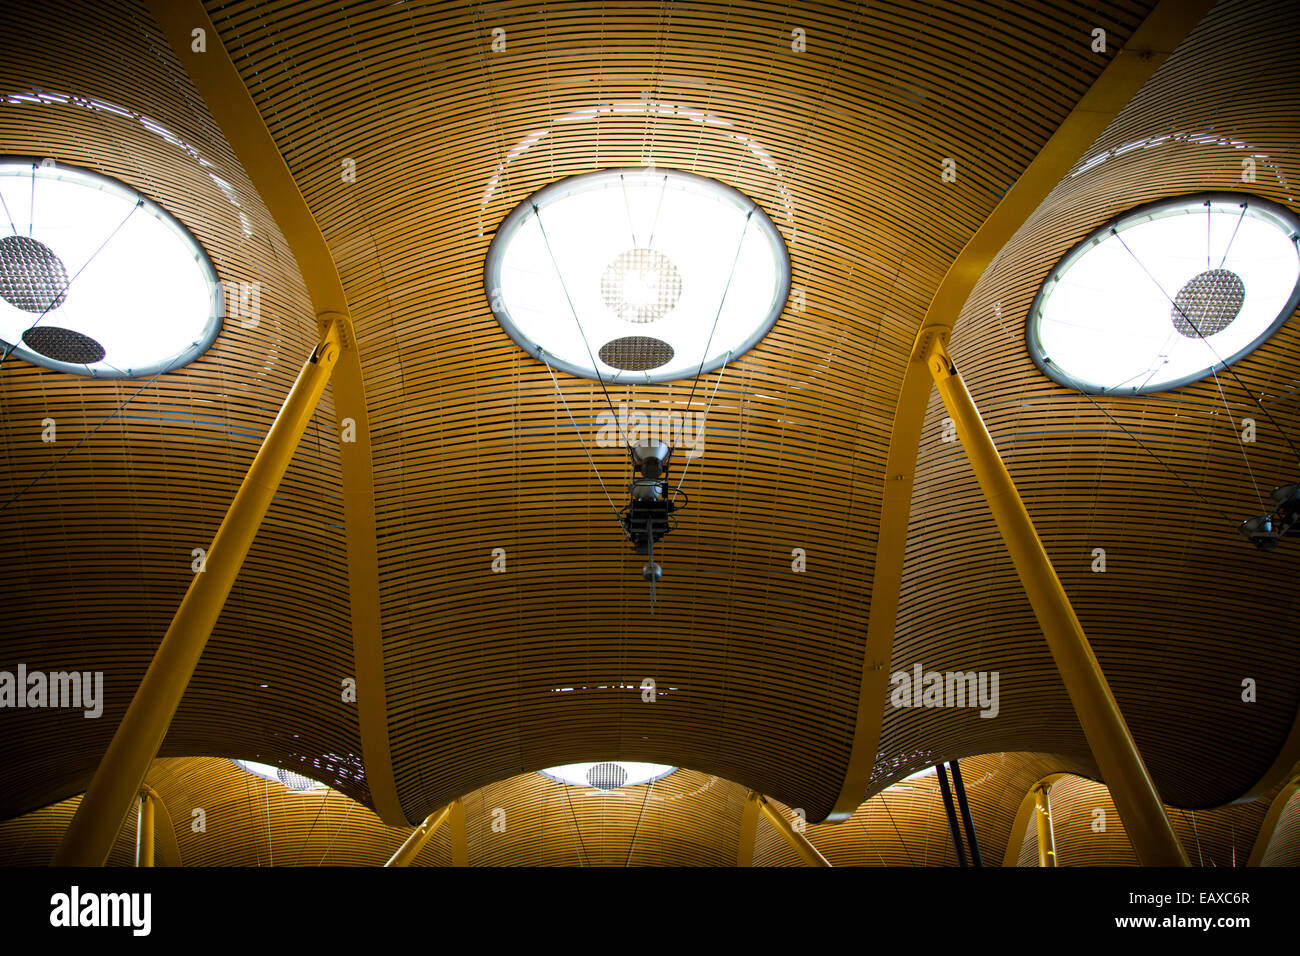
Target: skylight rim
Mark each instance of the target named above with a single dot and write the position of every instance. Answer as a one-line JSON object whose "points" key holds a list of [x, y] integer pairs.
{"points": [[71, 172], [570, 185], [1279, 215]]}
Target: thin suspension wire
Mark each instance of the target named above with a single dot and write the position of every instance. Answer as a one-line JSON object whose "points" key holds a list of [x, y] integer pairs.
{"points": [[1228, 368], [83, 268], [721, 302], [1233, 236], [270, 850], [337, 830], [1101, 408], [704, 421], [31, 209], [583, 859], [1240, 444], [568, 298], [627, 207], [80, 442], [897, 832], [541, 353], [307, 839], [8, 215], [663, 189], [637, 829]]}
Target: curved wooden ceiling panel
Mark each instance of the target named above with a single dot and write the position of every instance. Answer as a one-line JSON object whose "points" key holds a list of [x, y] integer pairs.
{"points": [[1186, 609], [842, 144], [98, 550]]}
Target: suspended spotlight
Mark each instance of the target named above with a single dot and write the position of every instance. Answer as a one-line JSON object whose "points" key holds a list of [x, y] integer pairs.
{"points": [[1264, 531], [649, 514]]}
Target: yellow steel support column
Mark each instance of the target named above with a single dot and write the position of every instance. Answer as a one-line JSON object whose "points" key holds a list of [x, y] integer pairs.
{"points": [[810, 854], [144, 830], [458, 836], [167, 851], [1108, 735], [1043, 819], [408, 851], [748, 830], [90, 836]]}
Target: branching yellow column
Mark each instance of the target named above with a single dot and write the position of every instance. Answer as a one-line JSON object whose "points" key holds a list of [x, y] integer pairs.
{"points": [[810, 854], [94, 826], [1108, 735], [408, 851], [1043, 819], [144, 830]]}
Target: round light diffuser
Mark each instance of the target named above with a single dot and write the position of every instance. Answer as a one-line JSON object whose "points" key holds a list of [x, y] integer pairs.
{"points": [[97, 280], [637, 275], [287, 778], [608, 774], [1167, 294]]}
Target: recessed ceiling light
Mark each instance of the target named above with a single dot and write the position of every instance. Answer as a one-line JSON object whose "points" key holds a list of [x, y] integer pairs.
{"points": [[287, 778], [96, 279], [1167, 294], [608, 774], [637, 275]]}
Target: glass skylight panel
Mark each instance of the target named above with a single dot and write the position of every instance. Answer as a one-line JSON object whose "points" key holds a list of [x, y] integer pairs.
{"points": [[97, 280], [1167, 294], [637, 274], [608, 775]]}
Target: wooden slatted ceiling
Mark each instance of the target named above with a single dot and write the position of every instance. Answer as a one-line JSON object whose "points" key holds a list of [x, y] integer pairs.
{"points": [[97, 554], [760, 666], [1186, 608], [1218, 837], [685, 819], [1284, 848]]}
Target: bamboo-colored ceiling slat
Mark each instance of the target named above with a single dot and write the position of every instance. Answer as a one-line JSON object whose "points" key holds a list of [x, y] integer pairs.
{"points": [[1186, 609]]}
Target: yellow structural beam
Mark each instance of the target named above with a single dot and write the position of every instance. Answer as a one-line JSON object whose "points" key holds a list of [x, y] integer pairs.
{"points": [[458, 836], [223, 91], [801, 844], [99, 816], [748, 830], [1108, 735], [1149, 46], [144, 830], [167, 851], [408, 851], [1043, 822]]}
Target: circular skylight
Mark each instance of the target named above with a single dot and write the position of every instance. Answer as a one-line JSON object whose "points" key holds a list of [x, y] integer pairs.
{"points": [[287, 778], [637, 275], [608, 774], [1167, 294], [96, 279]]}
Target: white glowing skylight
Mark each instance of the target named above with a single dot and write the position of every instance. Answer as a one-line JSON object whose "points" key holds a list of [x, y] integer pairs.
{"points": [[637, 275], [287, 778], [608, 774], [97, 280], [1167, 294]]}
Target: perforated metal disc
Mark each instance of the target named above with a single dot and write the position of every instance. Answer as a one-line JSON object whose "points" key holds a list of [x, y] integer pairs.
{"points": [[636, 353], [63, 345], [1208, 303], [296, 781], [658, 280], [32, 277], [607, 776]]}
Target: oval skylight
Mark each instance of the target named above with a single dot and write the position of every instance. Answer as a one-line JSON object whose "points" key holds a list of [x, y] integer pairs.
{"points": [[97, 280], [287, 778], [1167, 294], [637, 275], [608, 774]]}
